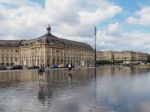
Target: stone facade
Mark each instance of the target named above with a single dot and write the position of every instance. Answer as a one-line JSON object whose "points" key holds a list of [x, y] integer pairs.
{"points": [[130, 56], [105, 56], [9, 52], [122, 56], [48, 50], [142, 56]]}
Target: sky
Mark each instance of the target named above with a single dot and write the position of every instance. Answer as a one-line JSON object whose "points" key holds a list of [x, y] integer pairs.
{"points": [[121, 24]]}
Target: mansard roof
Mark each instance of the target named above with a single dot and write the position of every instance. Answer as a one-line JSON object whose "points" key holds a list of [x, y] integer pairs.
{"points": [[51, 39], [10, 43], [48, 39]]}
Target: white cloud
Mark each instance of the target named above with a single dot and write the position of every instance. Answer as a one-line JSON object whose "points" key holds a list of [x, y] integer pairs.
{"points": [[89, 19], [66, 17], [64, 10], [72, 19], [113, 38], [114, 29], [141, 17], [99, 15], [14, 2]]}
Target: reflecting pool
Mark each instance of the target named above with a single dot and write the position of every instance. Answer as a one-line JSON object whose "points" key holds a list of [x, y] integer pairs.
{"points": [[104, 89]]}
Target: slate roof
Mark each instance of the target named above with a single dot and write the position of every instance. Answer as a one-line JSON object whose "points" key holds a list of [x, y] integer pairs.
{"points": [[49, 39], [10, 43]]}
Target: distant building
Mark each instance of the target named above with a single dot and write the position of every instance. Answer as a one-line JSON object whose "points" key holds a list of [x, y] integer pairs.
{"points": [[105, 56], [125, 56], [9, 52], [47, 49], [128, 56], [142, 56], [131, 56]]}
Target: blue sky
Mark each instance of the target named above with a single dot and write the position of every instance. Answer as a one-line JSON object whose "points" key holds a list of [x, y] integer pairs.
{"points": [[40, 2], [122, 24]]}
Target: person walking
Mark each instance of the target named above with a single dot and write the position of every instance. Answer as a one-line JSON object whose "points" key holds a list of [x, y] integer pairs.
{"points": [[70, 67], [41, 69]]}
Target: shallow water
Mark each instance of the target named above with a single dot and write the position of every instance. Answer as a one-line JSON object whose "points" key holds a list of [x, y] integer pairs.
{"points": [[105, 89]]}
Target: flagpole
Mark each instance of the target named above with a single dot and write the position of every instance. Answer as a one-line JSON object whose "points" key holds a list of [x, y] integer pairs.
{"points": [[95, 32]]}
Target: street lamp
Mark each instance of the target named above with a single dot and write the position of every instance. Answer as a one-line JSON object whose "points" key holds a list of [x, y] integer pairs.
{"points": [[95, 32]]}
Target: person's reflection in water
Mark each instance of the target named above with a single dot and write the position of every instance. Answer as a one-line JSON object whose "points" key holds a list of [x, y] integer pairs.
{"points": [[42, 89], [70, 77], [113, 70], [42, 78], [95, 73], [132, 70]]}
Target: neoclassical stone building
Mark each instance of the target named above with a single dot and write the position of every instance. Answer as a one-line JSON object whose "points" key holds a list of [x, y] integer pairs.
{"points": [[122, 56], [47, 49], [9, 52]]}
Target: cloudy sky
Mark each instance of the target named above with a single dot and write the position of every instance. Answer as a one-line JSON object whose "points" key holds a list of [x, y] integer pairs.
{"points": [[122, 24]]}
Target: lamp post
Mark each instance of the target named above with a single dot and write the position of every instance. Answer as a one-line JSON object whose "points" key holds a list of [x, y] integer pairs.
{"points": [[95, 32]]}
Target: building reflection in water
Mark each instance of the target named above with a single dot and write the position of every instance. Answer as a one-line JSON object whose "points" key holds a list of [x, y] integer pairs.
{"points": [[53, 89], [76, 75]]}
